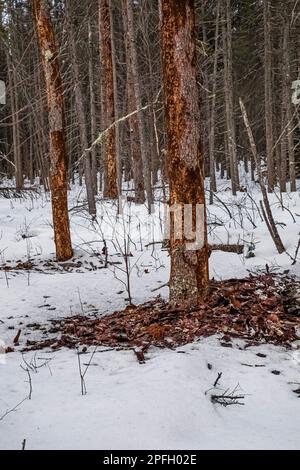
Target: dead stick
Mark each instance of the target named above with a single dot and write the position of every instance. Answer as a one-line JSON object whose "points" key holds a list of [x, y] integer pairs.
{"points": [[271, 226], [218, 378], [296, 253]]}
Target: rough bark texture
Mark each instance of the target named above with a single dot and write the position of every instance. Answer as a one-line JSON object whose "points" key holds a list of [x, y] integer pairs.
{"points": [[268, 96], [58, 157], [189, 269], [108, 108]]}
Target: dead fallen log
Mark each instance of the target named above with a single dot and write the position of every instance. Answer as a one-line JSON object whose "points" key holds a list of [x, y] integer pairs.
{"points": [[9, 192], [10, 188], [229, 248], [234, 248]]}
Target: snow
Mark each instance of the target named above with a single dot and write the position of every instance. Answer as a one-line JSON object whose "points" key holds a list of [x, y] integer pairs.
{"points": [[161, 404]]}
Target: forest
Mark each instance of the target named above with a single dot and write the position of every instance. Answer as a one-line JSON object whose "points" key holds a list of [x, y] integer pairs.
{"points": [[149, 225]]}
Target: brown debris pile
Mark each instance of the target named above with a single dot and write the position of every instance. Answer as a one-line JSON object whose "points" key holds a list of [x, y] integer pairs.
{"points": [[263, 308], [48, 266]]}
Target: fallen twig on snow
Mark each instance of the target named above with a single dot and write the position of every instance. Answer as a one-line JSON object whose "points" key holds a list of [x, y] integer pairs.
{"points": [[218, 379], [296, 253], [13, 409], [226, 399]]}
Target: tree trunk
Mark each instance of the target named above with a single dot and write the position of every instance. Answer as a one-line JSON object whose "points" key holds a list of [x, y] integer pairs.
{"points": [[116, 104], [189, 260], [138, 99], [213, 183], [268, 96], [58, 157], [15, 123], [285, 98], [229, 102], [135, 150], [108, 101], [205, 116], [81, 115], [289, 113], [94, 163], [13, 62], [153, 145]]}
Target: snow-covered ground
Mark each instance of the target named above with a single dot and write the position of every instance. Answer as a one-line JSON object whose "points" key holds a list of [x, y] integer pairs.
{"points": [[158, 405], [161, 404]]}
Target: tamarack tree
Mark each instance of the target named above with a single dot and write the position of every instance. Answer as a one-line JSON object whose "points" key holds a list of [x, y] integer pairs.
{"points": [[189, 267], [108, 99], [58, 155]]}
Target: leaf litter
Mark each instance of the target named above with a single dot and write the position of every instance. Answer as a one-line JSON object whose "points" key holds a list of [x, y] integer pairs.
{"points": [[258, 309]]}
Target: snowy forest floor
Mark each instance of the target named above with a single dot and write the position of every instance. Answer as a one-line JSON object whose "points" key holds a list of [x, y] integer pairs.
{"points": [[168, 402]]}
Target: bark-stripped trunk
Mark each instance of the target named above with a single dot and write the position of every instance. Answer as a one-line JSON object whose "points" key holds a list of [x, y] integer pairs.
{"points": [[58, 156], [268, 96], [81, 115], [135, 150], [189, 265], [108, 100], [138, 99]]}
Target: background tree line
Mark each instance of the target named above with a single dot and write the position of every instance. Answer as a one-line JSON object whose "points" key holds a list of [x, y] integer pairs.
{"points": [[110, 60]]}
